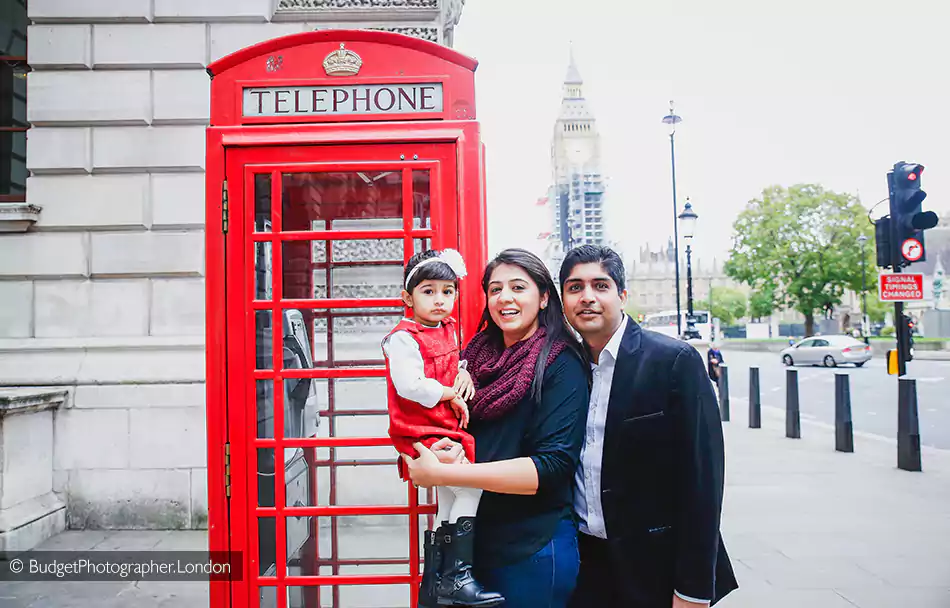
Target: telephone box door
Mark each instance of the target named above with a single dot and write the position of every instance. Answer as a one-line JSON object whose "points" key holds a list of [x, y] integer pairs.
{"points": [[316, 241]]}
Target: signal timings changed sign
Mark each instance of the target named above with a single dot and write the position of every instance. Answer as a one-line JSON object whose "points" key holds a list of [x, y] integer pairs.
{"points": [[901, 287]]}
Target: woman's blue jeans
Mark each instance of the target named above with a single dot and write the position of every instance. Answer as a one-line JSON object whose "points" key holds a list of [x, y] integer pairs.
{"points": [[544, 580]]}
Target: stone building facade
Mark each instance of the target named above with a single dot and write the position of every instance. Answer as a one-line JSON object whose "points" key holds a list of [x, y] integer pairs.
{"points": [[101, 275], [651, 280]]}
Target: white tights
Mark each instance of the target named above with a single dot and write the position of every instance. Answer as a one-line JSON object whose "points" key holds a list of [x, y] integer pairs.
{"points": [[456, 502]]}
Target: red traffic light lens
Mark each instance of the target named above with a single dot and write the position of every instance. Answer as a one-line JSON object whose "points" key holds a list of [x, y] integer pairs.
{"points": [[911, 176]]}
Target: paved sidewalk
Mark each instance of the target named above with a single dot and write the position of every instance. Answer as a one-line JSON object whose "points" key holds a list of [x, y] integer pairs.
{"points": [[805, 526], [112, 594]]}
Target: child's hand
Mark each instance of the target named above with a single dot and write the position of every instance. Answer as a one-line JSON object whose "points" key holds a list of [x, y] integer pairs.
{"points": [[461, 411], [464, 386], [448, 451]]}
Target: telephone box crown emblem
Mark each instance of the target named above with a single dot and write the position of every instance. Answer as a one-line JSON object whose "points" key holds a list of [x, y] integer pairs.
{"points": [[342, 62]]}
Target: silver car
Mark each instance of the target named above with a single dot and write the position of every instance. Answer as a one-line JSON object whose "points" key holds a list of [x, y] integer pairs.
{"points": [[829, 351]]}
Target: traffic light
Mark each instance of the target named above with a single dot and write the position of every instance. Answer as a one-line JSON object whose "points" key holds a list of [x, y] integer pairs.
{"points": [[907, 216], [905, 339], [882, 241]]}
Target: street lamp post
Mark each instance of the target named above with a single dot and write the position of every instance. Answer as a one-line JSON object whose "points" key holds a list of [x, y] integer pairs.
{"points": [[688, 218], [672, 119], [864, 292]]}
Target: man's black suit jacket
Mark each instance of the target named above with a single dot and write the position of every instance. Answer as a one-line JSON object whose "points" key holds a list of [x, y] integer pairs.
{"points": [[662, 473]]}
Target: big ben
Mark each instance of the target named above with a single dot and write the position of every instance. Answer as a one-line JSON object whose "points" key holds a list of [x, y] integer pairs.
{"points": [[578, 214]]}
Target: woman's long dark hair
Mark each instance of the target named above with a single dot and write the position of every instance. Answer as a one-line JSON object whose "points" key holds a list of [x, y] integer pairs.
{"points": [[550, 318]]}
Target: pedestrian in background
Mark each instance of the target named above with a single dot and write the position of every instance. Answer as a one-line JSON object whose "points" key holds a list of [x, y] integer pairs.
{"points": [[713, 361]]}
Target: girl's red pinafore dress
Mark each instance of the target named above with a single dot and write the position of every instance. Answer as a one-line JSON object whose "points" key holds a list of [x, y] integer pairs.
{"points": [[410, 421]]}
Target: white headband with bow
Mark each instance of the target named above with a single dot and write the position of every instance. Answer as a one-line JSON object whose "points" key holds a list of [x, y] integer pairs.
{"points": [[450, 257]]}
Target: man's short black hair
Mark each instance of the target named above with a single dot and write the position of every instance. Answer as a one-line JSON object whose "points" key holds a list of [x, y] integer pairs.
{"points": [[595, 254]]}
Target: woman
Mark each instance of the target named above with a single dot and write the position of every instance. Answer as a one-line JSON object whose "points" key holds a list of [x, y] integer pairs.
{"points": [[528, 418]]}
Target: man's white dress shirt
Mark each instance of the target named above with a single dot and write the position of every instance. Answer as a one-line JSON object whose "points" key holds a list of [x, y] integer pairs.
{"points": [[587, 503]]}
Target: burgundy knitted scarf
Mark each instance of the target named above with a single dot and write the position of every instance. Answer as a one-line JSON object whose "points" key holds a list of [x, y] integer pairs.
{"points": [[503, 376]]}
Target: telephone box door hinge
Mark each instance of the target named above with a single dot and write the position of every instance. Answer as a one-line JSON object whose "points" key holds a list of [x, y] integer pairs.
{"points": [[224, 206], [227, 469]]}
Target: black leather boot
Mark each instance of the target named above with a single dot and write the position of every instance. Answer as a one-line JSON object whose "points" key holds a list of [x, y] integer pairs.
{"points": [[432, 552], [457, 586]]}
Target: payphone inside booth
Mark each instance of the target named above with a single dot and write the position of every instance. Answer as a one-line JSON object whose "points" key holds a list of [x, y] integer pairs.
{"points": [[332, 157]]}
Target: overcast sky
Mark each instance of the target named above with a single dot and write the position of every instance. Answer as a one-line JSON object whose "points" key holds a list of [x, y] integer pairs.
{"points": [[771, 92]]}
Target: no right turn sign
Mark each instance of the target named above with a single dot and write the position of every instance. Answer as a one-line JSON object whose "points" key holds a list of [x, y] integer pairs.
{"points": [[912, 250]]}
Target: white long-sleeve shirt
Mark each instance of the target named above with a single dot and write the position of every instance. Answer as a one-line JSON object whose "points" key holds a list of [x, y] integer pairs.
{"points": [[407, 370]]}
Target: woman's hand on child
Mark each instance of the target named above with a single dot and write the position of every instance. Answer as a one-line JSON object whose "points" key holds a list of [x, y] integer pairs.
{"points": [[448, 451], [464, 386], [424, 470], [461, 411]]}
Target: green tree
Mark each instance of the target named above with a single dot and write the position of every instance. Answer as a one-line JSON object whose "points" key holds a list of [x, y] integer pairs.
{"points": [[803, 241], [728, 304], [877, 309], [762, 302]]}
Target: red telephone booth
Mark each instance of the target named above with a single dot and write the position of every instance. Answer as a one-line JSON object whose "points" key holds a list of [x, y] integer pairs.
{"points": [[332, 157]]}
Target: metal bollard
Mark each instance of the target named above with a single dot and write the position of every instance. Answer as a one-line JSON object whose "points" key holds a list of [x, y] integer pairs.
{"points": [[793, 421], [844, 429], [908, 426], [724, 392], [755, 400]]}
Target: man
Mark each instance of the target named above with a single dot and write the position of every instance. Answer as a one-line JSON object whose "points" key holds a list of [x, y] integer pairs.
{"points": [[650, 484], [714, 359]]}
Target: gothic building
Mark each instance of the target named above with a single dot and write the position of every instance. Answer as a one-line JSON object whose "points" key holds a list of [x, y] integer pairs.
{"points": [[576, 196]]}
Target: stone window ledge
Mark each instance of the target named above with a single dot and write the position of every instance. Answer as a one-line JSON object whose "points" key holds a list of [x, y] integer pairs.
{"points": [[13, 345], [18, 217], [29, 400]]}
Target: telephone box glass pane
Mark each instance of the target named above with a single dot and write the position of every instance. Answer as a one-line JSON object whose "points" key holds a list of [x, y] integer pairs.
{"points": [[264, 390], [420, 245], [347, 407], [360, 475], [351, 200], [264, 331], [268, 597], [352, 337], [371, 268], [263, 271], [265, 477], [301, 405], [363, 268], [383, 537], [267, 546], [326, 338], [262, 216], [421, 201]]}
